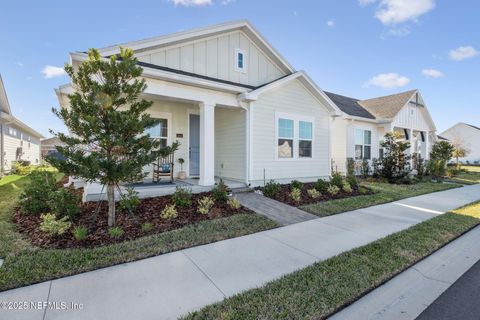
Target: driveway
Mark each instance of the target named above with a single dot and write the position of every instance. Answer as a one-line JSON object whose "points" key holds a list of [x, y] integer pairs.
{"points": [[171, 285]]}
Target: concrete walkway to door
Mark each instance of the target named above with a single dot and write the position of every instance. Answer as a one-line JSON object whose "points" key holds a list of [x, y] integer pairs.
{"points": [[171, 285]]}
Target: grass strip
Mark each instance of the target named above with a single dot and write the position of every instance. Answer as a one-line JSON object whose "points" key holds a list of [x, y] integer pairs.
{"points": [[384, 193], [324, 287]]}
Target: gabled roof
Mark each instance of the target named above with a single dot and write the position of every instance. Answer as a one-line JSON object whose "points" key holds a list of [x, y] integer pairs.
{"points": [[349, 105], [387, 107], [306, 81], [474, 127], [175, 38], [4, 104]]}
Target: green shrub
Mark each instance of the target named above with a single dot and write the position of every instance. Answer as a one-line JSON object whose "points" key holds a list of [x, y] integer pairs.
{"points": [[35, 197], [182, 197], [321, 185], [129, 201], [234, 203], [336, 180], [147, 227], [65, 203], [350, 166], [346, 187], [313, 193], [220, 192], [271, 189], [296, 194], [352, 180], [80, 233], [22, 168], [115, 232], [170, 212], [437, 168], [205, 204], [333, 189], [52, 226], [295, 184], [365, 168]]}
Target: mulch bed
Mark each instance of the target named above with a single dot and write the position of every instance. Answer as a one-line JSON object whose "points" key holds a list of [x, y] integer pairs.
{"points": [[285, 190], [148, 211]]}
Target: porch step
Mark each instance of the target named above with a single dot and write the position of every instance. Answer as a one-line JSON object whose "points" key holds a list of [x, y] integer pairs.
{"points": [[241, 190]]}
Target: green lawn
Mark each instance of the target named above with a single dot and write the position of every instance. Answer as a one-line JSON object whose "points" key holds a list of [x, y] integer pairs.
{"points": [[25, 264], [323, 288], [384, 192], [472, 176]]}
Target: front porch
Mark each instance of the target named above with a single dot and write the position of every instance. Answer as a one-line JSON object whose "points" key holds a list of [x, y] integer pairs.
{"points": [[95, 191]]}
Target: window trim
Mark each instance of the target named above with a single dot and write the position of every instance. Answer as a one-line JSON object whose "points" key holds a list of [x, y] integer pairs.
{"points": [[167, 116], [296, 135], [237, 68], [363, 143]]}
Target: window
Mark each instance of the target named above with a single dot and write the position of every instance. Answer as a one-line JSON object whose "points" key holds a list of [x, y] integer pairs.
{"points": [[12, 131], [305, 139], [294, 137], [240, 63], [160, 131], [363, 144], [285, 138]]}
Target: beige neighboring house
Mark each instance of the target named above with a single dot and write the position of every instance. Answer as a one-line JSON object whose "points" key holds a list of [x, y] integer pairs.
{"points": [[238, 108], [17, 140], [468, 136], [364, 123]]}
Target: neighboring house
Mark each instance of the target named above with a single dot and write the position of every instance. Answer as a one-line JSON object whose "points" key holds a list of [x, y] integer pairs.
{"points": [[358, 133], [17, 140], [468, 136], [238, 108], [49, 147]]}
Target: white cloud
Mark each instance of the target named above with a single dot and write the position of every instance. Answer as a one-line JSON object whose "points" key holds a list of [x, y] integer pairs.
{"points": [[331, 23], [19, 63], [227, 2], [391, 12], [52, 72], [295, 13], [463, 53], [432, 73], [399, 32], [190, 3], [388, 81]]}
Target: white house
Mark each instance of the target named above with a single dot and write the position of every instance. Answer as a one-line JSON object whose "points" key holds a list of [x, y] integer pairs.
{"points": [[468, 136], [17, 140], [364, 123], [238, 108]]}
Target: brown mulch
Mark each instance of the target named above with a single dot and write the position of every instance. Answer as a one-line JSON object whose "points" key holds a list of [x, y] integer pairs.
{"points": [[148, 211], [285, 190]]}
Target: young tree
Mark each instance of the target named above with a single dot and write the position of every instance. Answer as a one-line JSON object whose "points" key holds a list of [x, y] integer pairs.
{"points": [[459, 149], [442, 150], [394, 164], [107, 121]]}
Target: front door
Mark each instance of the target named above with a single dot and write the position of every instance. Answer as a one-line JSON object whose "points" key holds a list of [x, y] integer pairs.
{"points": [[194, 150]]}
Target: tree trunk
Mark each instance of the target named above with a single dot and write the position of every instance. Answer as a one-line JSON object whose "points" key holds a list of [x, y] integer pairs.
{"points": [[111, 204]]}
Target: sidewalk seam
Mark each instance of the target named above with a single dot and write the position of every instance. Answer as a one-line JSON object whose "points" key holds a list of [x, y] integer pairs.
{"points": [[292, 247], [48, 299], [206, 276], [431, 278]]}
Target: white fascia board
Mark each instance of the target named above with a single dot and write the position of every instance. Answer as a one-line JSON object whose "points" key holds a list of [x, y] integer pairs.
{"points": [[429, 116], [311, 86], [175, 77], [3, 97], [11, 119], [194, 34], [378, 121]]}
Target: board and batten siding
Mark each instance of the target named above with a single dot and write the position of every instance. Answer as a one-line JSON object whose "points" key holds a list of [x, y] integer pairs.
{"points": [[215, 57], [412, 117], [230, 144], [292, 98], [469, 138]]}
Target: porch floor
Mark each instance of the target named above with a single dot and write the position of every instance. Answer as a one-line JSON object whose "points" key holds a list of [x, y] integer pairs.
{"points": [[94, 192]]}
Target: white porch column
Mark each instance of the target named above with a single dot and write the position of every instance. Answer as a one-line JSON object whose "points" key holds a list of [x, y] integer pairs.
{"points": [[207, 144], [427, 145], [412, 148]]}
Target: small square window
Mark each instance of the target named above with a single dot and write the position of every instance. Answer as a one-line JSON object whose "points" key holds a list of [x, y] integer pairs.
{"points": [[240, 62]]}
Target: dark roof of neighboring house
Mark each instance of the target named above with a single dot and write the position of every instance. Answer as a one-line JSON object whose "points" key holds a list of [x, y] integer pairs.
{"points": [[472, 126], [442, 138], [385, 107], [53, 141], [349, 105]]}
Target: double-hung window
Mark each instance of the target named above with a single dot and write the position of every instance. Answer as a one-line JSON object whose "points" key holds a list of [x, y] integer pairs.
{"points": [[159, 131], [363, 144], [294, 137]]}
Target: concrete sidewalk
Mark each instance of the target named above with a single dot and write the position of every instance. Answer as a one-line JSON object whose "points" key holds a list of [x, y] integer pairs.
{"points": [[170, 285]]}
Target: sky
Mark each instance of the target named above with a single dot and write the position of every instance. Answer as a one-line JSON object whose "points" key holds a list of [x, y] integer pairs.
{"points": [[358, 48]]}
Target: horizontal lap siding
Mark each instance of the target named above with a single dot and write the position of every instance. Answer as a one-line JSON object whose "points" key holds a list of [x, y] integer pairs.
{"points": [[339, 144], [11, 144], [295, 99], [230, 144]]}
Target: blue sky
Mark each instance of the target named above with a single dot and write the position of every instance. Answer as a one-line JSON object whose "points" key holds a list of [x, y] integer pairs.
{"points": [[359, 48]]}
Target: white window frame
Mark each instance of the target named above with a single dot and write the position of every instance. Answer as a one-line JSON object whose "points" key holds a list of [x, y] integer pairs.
{"points": [[237, 68], [296, 135], [363, 143], [166, 116]]}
